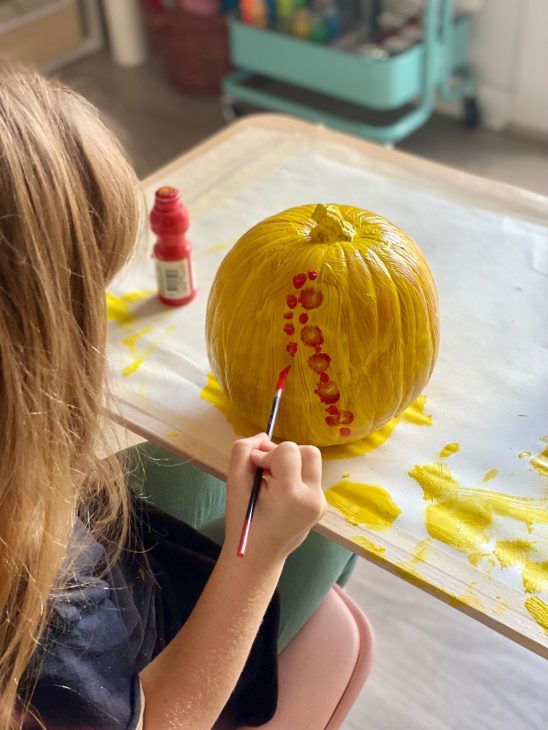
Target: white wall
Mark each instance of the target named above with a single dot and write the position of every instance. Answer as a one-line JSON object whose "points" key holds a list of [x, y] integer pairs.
{"points": [[509, 53], [530, 98]]}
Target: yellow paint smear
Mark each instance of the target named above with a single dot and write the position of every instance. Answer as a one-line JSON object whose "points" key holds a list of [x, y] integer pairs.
{"points": [[219, 246], [468, 598], [214, 394], [461, 516], [534, 574], [489, 475], [119, 309], [131, 340], [415, 413], [143, 356], [501, 607], [539, 611], [524, 454], [173, 434], [363, 504], [449, 450], [368, 544], [540, 462]]}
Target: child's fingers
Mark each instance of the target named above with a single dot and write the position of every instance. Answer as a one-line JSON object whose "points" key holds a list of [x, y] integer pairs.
{"points": [[241, 465], [284, 461], [311, 465]]}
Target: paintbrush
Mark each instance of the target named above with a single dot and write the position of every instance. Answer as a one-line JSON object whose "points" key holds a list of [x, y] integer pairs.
{"points": [[259, 473]]}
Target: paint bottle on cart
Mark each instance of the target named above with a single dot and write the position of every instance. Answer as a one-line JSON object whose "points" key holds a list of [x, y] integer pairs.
{"points": [[172, 251]]}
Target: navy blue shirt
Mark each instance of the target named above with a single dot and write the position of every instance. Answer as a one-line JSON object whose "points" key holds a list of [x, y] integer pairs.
{"points": [[104, 630]]}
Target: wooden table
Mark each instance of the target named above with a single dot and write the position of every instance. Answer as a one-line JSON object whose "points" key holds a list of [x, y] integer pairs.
{"points": [[207, 176]]}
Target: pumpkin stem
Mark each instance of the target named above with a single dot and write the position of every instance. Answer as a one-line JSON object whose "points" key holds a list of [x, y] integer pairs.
{"points": [[330, 226]]}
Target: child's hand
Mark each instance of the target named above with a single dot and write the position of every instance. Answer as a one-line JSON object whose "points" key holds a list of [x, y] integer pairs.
{"points": [[290, 500]]}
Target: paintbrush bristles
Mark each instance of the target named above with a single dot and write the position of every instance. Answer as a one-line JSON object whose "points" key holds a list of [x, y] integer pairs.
{"points": [[283, 377]]}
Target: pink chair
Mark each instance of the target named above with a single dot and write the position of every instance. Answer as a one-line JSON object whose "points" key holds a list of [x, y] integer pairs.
{"points": [[324, 668]]}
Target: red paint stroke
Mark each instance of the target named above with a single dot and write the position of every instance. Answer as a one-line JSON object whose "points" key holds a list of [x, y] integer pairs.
{"points": [[283, 377], [328, 392], [310, 298], [312, 275], [347, 417], [288, 315], [303, 318], [324, 377], [289, 329], [332, 420], [291, 348], [333, 410], [292, 301], [345, 431], [319, 362], [311, 336], [299, 280]]}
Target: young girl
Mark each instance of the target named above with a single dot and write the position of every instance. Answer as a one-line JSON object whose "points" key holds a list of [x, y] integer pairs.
{"points": [[113, 613]]}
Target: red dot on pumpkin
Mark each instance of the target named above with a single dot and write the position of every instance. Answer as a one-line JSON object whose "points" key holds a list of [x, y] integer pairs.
{"points": [[311, 298], [311, 336], [312, 275], [288, 315], [347, 417], [332, 420], [319, 362], [291, 301], [324, 377], [299, 280], [345, 431], [291, 348], [303, 318], [289, 329], [328, 392], [333, 410]]}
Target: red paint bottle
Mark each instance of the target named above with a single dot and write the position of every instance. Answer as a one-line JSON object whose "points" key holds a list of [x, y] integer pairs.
{"points": [[172, 251]]}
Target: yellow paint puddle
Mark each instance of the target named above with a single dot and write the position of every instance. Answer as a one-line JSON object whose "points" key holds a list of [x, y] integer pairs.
{"points": [[363, 504], [449, 450], [538, 610], [119, 309], [368, 544], [214, 394]]}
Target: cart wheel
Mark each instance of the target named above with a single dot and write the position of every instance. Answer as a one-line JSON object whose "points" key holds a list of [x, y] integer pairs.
{"points": [[472, 113], [230, 109]]}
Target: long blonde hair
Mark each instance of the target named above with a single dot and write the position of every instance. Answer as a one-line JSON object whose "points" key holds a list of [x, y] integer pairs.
{"points": [[69, 212]]}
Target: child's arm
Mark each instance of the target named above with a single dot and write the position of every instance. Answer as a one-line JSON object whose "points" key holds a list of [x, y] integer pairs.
{"points": [[188, 684]]}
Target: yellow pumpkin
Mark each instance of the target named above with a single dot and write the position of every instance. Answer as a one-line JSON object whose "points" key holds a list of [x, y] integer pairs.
{"points": [[343, 296]]}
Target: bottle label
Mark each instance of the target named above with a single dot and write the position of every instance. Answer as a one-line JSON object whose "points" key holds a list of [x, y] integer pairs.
{"points": [[174, 279]]}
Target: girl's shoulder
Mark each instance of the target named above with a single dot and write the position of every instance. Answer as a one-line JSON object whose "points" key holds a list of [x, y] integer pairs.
{"points": [[101, 633]]}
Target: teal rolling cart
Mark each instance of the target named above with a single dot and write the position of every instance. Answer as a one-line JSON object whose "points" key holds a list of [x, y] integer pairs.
{"points": [[416, 75]]}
